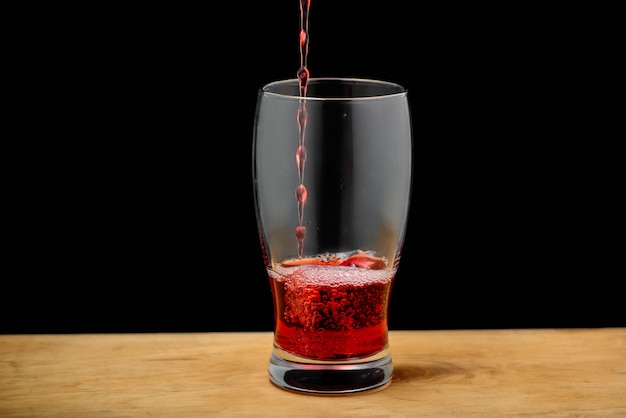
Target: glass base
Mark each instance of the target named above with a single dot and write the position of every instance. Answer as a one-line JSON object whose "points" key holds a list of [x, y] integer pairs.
{"points": [[334, 378]]}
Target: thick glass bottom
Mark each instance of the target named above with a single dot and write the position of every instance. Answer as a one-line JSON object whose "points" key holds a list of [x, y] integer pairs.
{"points": [[331, 378]]}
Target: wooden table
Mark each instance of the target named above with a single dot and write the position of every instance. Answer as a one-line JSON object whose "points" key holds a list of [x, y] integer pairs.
{"points": [[476, 373]]}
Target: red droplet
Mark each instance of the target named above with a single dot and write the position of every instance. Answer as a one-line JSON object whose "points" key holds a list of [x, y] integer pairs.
{"points": [[302, 37], [301, 193], [300, 155], [301, 233]]}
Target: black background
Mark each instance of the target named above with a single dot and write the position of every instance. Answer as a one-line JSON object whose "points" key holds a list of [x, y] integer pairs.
{"points": [[129, 198]]}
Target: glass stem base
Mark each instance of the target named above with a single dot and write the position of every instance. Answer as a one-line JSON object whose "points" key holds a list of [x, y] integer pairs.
{"points": [[331, 378]]}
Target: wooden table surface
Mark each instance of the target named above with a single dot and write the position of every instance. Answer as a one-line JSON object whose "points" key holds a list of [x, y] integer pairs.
{"points": [[476, 373]]}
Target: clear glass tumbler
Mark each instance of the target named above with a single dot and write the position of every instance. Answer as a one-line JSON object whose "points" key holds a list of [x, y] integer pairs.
{"points": [[332, 172]]}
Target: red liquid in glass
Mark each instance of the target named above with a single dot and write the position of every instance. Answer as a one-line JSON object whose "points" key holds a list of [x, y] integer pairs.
{"points": [[332, 308]]}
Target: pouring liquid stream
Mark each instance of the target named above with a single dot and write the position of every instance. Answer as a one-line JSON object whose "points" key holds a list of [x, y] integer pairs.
{"points": [[303, 79]]}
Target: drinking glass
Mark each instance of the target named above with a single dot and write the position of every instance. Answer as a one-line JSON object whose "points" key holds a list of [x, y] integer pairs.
{"points": [[332, 172]]}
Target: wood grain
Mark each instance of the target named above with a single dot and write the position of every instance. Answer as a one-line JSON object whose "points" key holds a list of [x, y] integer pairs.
{"points": [[476, 373]]}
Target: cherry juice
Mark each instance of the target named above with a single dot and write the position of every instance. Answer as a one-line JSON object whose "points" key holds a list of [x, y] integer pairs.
{"points": [[331, 308]]}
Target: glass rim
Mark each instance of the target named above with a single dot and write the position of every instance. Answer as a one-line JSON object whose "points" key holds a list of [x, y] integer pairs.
{"points": [[388, 89]]}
